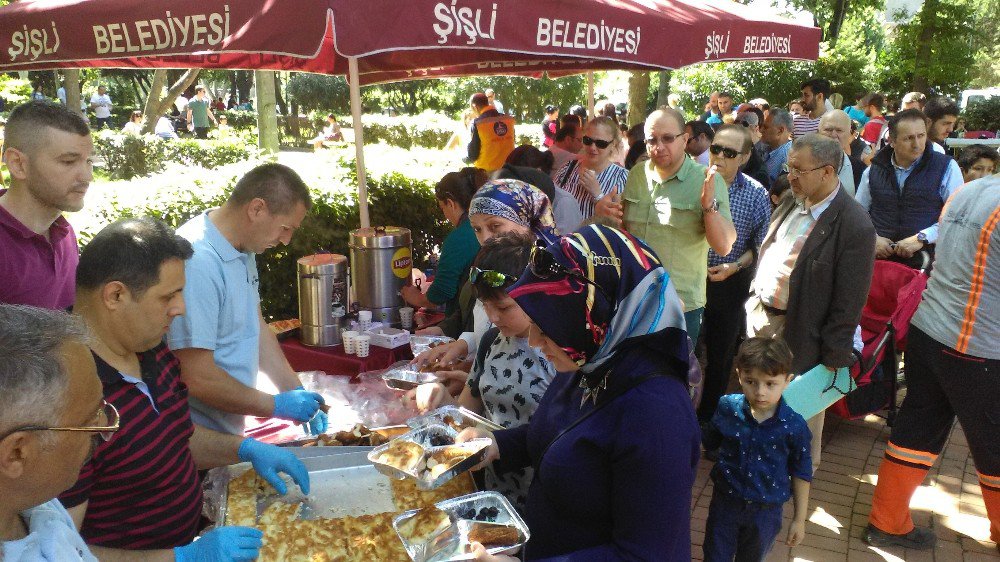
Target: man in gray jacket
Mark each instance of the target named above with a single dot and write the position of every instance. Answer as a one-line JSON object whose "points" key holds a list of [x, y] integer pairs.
{"points": [[815, 266]]}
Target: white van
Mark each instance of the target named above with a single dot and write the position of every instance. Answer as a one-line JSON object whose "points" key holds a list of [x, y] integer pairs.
{"points": [[974, 96]]}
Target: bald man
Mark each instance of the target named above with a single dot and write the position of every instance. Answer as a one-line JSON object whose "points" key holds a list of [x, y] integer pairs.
{"points": [[836, 124]]}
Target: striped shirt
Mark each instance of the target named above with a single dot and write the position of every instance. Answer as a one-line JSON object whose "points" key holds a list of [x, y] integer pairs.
{"points": [[961, 306], [751, 209], [803, 125], [142, 485], [611, 180], [777, 263]]}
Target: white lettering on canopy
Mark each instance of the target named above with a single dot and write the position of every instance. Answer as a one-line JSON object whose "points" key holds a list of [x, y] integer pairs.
{"points": [[171, 32], [459, 21], [767, 45], [33, 43], [586, 35]]}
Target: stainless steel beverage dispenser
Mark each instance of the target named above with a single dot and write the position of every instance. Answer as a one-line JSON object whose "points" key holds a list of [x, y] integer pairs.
{"points": [[381, 263], [323, 298]]}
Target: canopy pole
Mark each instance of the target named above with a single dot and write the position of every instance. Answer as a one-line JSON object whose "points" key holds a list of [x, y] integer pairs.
{"points": [[359, 140], [590, 95]]}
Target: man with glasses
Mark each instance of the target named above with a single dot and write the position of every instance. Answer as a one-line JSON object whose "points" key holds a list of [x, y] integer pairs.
{"points": [[141, 490], [567, 146], [51, 414], [836, 125], [223, 341], [905, 189], [680, 210], [699, 137], [815, 267], [729, 275]]}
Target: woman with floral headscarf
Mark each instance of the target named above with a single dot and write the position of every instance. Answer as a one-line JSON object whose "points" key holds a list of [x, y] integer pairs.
{"points": [[614, 441], [498, 207]]}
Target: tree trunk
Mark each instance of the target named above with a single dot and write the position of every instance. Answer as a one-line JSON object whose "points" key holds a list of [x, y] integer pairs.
{"points": [[269, 137], [157, 106], [243, 82], [72, 85], [928, 29], [293, 121], [638, 93], [663, 90], [837, 21]]}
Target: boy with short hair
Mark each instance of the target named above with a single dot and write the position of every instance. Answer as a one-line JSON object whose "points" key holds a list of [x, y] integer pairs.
{"points": [[763, 458]]}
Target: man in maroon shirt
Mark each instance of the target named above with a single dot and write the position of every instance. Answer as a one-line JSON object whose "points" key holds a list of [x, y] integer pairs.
{"points": [[141, 490], [50, 157]]}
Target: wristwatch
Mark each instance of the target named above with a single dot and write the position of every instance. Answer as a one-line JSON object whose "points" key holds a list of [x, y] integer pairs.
{"points": [[713, 208], [922, 238]]}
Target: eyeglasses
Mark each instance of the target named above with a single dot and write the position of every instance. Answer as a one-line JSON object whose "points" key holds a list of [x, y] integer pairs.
{"points": [[725, 151], [107, 412], [544, 265], [665, 139], [602, 144], [794, 173], [490, 278]]}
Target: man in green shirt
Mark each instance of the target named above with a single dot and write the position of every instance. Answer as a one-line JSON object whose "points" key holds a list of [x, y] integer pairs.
{"points": [[199, 111], [680, 210]]}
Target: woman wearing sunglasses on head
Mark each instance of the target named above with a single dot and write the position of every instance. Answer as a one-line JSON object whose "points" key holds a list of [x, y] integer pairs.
{"points": [[499, 207], [594, 179], [508, 377], [614, 444]]}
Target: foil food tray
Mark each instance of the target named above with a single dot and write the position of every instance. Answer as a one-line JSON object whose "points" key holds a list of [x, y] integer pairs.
{"points": [[461, 418], [432, 438], [407, 379], [453, 544]]}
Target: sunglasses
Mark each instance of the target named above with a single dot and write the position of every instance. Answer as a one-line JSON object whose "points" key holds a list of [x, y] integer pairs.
{"points": [[107, 411], [544, 265], [664, 139], [718, 149], [490, 278], [602, 144]]}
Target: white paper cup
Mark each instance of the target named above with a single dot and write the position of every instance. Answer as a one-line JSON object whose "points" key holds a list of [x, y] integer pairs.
{"points": [[350, 340], [406, 317], [364, 316], [362, 345]]}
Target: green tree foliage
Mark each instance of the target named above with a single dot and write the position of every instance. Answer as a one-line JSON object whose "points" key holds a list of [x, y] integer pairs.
{"points": [[316, 92], [984, 115]]}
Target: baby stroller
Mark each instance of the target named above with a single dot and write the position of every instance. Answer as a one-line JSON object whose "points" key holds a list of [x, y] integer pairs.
{"points": [[885, 322]]}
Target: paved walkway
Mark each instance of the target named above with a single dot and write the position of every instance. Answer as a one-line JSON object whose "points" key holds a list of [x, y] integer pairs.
{"points": [[949, 500]]}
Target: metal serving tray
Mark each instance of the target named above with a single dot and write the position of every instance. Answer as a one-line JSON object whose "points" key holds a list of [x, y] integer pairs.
{"points": [[461, 415], [453, 543], [406, 379], [432, 438]]}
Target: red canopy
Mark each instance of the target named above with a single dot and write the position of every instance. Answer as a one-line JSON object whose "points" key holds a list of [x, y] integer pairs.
{"points": [[393, 39]]}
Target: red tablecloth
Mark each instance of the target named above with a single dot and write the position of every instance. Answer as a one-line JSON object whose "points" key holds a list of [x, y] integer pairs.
{"points": [[333, 360]]}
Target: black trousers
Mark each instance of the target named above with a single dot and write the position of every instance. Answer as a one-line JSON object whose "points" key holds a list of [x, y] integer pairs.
{"points": [[941, 384], [721, 328]]}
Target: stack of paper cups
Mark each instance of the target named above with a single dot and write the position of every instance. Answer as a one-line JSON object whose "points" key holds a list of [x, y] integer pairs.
{"points": [[364, 320], [362, 345], [350, 339], [406, 317]]}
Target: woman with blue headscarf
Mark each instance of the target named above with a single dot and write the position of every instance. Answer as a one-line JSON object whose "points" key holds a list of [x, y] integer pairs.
{"points": [[614, 441]]}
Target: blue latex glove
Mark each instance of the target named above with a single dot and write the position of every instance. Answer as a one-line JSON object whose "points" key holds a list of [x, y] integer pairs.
{"points": [[318, 424], [225, 544], [269, 460], [297, 405]]}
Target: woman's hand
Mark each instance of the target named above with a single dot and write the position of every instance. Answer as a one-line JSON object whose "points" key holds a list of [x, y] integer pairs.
{"points": [[480, 555], [588, 179], [454, 381], [492, 451]]}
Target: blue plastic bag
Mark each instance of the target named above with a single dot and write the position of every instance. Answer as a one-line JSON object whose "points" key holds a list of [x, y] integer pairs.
{"points": [[817, 389]]}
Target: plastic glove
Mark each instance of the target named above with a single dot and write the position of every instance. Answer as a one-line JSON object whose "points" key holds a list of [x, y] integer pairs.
{"points": [[269, 460], [225, 544], [318, 423], [297, 405]]}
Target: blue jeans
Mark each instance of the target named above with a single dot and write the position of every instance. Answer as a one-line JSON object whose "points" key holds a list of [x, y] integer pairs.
{"points": [[741, 529], [693, 321]]}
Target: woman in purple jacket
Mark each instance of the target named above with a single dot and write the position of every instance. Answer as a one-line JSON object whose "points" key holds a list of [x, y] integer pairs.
{"points": [[614, 442]]}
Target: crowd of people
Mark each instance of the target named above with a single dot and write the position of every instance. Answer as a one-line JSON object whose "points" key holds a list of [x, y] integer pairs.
{"points": [[579, 279]]}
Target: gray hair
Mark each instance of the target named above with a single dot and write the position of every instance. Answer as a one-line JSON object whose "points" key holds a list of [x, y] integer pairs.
{"points": [[33, 383], [825, 151], [782, 117]]}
